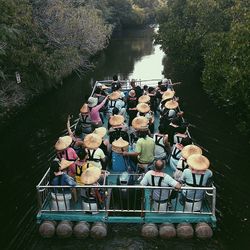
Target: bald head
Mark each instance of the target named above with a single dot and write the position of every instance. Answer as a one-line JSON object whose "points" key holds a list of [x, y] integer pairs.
{"points": [[159, 165]]}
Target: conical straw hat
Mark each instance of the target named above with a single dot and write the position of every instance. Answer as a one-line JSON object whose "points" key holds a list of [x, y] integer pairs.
{"points": [[84, 109], [190, 150], [115, 95], [140, 123], [63, 142], [143, 107], [92, 141], [144, 99], [64, 163], [120, 145], [100, 131], [168, 94], [198, 162], [171, 104], [90, 175], [116, 120]]}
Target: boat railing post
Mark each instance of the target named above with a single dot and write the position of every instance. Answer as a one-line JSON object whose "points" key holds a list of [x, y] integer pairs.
{"points": [[214, 200], [39, 199]]}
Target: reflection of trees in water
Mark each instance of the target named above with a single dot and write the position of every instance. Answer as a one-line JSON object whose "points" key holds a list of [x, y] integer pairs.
{"points": [[124, 54]]}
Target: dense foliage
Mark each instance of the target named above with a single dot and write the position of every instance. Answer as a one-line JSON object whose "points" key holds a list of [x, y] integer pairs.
{"points": [[43, 41], [212, 36]]}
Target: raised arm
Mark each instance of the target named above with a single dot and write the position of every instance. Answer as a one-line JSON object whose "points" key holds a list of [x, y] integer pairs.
{"points": [[68, 127]]}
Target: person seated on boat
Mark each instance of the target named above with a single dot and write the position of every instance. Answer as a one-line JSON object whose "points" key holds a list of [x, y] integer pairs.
{"points": [[176, 152], [182, 163], [196, 175], [92, 197], [182, 133], [145, 90], [162, 149], [118, 128], [64, 151], [85, 120], [138, 90], [144, 110], [144, 147], [94, 110], [176, 125], [96, 155], [104, 145], [60, 178], [169, 112], [116, 102], [131, 106], [157, 177], [152, 95], [76, 136], [115, 85], [166, 96]]}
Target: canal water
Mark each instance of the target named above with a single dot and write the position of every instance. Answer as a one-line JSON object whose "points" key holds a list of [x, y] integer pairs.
{"points": [[27, 144]]}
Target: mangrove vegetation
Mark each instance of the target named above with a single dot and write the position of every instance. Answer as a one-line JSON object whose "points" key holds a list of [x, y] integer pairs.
{"points": [[212, 36], [43, 41]]}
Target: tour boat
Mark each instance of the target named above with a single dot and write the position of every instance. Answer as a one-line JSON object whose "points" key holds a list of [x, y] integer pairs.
{"points": [[124, 201]]}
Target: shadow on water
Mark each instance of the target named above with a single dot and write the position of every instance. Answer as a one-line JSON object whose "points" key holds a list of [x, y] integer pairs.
{"points": [[27, 145]]}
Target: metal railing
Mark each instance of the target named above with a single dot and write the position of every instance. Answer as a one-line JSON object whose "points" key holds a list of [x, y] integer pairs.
{"points": [[123, 199]]}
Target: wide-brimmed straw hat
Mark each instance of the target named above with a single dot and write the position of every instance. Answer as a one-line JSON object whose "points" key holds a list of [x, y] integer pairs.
{"points": [[92, 141], [120, 145], [140, 123], [144, 99], [115, 95], [64, 163], [90, 175], [168, 94], [116, 120], [100, 131], [92, 101], [171, 104], [190, 150], [132, 93], [143, 107], [84, 109], [198, 162], [63, 142]]}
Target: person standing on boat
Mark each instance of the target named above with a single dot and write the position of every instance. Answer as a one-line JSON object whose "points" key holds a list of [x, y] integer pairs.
{"points": [[96, 155], [197, 175], [131, 106], [64, 151], [85, 120], [115, 85], [182, 163], [138, 90], [157, 177], [144, 147], [94, 109]]}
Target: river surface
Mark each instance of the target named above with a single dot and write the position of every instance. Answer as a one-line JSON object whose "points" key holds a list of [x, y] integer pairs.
{"points": [[27, 144]]}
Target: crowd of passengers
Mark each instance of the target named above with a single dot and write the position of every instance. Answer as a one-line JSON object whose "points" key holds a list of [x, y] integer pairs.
{"points": [[112, 121]]}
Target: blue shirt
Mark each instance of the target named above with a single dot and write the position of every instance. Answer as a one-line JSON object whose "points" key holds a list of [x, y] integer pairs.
{"points": [[63, 180]]}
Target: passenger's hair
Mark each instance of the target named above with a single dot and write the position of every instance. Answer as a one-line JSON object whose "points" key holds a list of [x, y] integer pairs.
{"points": [[145, 87], [150, 89], [82, 154], [186, 141], [161, 129], [54, 168], [182, 129], [159, 165], [115, 77], [78, 130], [176, 121], [142, 133], [98, 90], [115, 111]]}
